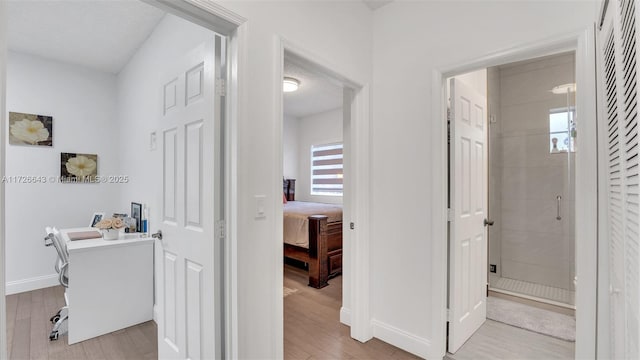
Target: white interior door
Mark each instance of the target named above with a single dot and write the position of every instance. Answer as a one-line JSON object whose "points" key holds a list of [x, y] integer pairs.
{"points": [[619, 123], [468, 199], [189, 151]]}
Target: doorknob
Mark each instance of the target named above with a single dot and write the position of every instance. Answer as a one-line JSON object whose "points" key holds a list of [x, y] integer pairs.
{"points": [[488, 222], [157, 235]]}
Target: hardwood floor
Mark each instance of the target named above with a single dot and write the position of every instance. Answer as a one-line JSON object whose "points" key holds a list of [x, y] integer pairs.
{"points": [[28, 330], [312, 328]]}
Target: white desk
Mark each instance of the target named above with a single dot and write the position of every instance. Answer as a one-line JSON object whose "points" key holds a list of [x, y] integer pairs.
{"points": [[110, 284]]}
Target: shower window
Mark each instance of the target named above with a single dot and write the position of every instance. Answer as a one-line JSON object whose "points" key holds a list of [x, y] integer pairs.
{"points": [[561, 130]]}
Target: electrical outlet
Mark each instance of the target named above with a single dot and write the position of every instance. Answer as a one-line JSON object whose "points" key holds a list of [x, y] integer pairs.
{"points": [[493, 268]]}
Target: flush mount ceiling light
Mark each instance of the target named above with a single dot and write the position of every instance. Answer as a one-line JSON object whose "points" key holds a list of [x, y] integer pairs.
{"points": [[564, 88], [290, 84]]}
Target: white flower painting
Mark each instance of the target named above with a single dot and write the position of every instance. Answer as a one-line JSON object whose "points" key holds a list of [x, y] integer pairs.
{"points": [[81, 168], [30, 129]]}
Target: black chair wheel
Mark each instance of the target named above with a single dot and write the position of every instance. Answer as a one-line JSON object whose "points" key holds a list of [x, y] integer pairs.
{"points": [[53, 336], [54, 319]]}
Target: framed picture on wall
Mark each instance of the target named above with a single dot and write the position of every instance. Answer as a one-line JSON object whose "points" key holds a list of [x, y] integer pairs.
{"points": [[30, 129], [78, 168], [136, 213]]}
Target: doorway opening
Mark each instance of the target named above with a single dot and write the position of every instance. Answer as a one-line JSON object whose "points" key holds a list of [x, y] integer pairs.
{"points": [[512, 141], [354, 310], [531, 181], [315, 195], [99, 95]]}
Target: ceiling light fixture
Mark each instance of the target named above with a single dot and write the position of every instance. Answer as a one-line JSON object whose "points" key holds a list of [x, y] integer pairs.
{"points": [[290, 84], [564, 88]]}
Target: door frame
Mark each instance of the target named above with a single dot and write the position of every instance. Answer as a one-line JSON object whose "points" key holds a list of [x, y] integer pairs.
{"points": [[355, 312], [214, 17], [583, 43], [3, 136]]}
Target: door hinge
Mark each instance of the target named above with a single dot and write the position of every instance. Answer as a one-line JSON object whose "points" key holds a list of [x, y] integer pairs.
{"points": [[222, 231], [221, 87], [449, 214]]}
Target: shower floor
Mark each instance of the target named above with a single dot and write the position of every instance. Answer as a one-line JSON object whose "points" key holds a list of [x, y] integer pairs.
{"points": [[533, 291]]}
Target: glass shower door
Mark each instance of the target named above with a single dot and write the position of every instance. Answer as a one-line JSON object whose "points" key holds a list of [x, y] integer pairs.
{"points": [[531, 190]]}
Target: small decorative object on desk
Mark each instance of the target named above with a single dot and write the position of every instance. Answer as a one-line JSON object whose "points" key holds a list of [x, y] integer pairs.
{"points": [[130, 225], [110, 228], [136, 213]]}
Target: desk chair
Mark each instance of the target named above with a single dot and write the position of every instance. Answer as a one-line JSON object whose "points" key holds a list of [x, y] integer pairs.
{"points": [[62, 264]]}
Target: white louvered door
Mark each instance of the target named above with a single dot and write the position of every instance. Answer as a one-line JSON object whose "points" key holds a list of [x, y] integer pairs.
{"points": [[618, 67]]}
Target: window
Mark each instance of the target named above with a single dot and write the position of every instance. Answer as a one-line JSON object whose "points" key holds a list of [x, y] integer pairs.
{"points": [[326, 169], [561, 130]]}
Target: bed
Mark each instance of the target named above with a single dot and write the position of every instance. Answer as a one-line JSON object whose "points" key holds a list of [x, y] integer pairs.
{"points": [[313, 234]]}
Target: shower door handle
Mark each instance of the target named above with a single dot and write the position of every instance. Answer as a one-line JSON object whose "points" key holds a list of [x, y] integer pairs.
{"points": [[558, 199], [488, 222]]}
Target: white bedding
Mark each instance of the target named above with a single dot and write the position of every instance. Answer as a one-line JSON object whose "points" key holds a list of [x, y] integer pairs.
{"points": [[296, 219]]}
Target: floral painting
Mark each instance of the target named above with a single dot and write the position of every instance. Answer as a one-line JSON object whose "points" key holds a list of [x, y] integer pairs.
{"points": [[30, 129], [78, 167]]}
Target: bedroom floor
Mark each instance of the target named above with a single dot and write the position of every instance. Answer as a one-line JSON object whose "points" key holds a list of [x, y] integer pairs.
{"points": [[312, 328]]}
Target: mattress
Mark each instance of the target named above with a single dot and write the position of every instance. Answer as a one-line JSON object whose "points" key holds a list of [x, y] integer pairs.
{"points": [[296, 219]]}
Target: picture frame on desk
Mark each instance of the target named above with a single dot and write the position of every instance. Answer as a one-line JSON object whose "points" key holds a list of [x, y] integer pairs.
{"points": [[96, 218], [136, 213]]}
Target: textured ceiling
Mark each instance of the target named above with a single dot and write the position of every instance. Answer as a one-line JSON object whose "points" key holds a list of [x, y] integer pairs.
{"points": [[101, 35], [315, 95]]}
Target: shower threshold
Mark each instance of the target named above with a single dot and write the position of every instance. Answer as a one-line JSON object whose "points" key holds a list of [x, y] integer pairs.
{"points": [[532, 291]]}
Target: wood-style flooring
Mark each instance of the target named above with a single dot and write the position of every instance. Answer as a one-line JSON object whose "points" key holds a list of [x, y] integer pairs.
{"points": [[312, 330], [495, 340], [28, 328]]}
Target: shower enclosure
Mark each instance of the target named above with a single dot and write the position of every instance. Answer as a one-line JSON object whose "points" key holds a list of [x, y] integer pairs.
{"points": [[531, 178]]}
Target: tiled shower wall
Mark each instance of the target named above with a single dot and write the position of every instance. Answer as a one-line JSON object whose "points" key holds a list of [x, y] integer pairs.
{"points": [[528, 242]]}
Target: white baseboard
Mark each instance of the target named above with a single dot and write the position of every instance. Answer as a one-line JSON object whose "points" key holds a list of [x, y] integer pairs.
{"points": [[155, 313], [345, 316], [406, 341], [34, 283]]}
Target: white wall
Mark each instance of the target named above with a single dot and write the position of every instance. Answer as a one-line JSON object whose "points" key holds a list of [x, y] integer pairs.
{"points": [[318, 129], [290, 130], [82, 103], [339, 34], [411, 40]]}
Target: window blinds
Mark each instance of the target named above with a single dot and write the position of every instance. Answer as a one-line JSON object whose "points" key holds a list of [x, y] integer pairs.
{"points": [[326, 169]]}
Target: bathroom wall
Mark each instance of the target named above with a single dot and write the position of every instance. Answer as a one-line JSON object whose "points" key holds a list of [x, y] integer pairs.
{"points": [[535, 246]]}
